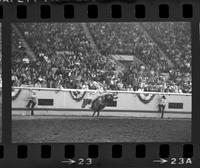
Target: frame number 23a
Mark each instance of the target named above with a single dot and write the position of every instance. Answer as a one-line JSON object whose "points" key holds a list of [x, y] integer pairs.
{"points": [[180, 161]]}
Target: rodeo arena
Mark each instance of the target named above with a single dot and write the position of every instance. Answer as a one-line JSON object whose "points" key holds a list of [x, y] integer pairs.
{"points": [[101, 82]]}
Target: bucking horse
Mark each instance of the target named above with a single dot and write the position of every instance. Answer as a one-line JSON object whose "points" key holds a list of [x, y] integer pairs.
{"points": [[99, 103]]}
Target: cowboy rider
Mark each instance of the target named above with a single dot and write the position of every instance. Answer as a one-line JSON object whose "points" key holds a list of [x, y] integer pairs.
{"points": [[99, 91]]}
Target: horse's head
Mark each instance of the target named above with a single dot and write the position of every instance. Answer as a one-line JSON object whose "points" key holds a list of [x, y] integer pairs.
{"points": [[85, 102]]}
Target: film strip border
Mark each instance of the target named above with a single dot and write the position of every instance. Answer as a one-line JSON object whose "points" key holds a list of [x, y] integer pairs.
{"points": [[140, 11], [101, 155], [70, 12], [95, 151]]}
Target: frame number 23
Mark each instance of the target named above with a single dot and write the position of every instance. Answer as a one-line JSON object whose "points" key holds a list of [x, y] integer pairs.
{"points": [[87, 161]]}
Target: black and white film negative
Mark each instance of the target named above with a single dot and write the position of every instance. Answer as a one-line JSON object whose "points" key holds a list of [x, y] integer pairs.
{"points": [[99, 83]]}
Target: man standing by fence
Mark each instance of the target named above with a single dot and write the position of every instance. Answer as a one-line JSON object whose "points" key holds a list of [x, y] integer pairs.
{"points": [[32, 102], [161, 105]]}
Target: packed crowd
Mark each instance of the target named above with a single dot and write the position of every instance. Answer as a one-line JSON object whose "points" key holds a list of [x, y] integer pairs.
{"points": [[144, 79], [127, 38], [63, 57], [175, 40]]}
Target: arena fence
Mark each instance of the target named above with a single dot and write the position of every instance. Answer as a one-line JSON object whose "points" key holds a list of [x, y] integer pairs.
{"points": [[53, 101]]}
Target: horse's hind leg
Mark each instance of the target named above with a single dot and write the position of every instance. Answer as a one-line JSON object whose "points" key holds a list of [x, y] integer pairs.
{"points": [[93, 114], [98, 114]]}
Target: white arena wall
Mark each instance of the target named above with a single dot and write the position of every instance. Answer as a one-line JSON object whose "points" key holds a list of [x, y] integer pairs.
{"points": [[128, 103]]}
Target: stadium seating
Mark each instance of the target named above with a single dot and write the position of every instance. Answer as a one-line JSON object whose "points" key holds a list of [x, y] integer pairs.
{"points": [[60, 55]]}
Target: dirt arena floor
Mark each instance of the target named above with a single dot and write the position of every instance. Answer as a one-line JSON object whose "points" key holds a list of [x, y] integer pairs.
{"points": [[40, 129]]}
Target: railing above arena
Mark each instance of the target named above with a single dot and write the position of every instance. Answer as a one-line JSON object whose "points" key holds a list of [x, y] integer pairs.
{"points": [[108, 91]]}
